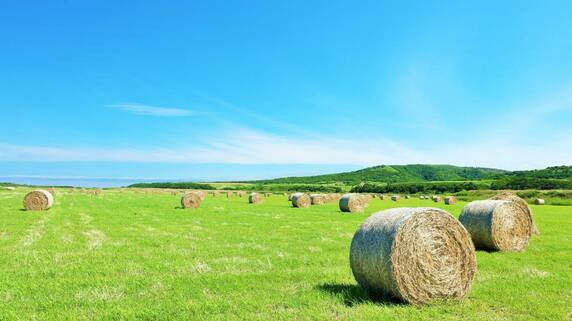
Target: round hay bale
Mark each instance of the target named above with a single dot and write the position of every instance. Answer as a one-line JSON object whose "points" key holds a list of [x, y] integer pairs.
{"points": [[241, 194], [254, 198], [191, 200], [508, 196], [407, 197], [301, 200], [38, 200], [267, 194], [415, 254], [539, 201], [228, 194], [351, 202], [318, 199], [499, 225], [436, 198], [395, 198], [450, 200]]}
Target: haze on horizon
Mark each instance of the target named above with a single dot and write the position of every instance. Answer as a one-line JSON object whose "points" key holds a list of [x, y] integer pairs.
{"points": [[233, 90]]}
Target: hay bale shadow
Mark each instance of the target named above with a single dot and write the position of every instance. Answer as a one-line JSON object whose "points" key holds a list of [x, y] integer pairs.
{"points": [[352, 294]]}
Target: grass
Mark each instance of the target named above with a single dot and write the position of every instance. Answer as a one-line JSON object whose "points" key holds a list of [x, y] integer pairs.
{"points": [[136, 256]]}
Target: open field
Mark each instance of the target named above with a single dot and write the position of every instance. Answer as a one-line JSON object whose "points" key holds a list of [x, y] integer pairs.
{"points": [[137, 256]]}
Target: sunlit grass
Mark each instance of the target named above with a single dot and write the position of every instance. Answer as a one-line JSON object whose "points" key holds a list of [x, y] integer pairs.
{"points": [[140, 257]]}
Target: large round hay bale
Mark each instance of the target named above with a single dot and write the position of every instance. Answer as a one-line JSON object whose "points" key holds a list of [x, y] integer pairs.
{"points": [[38, 200], [522, 203], [395, 198], [318, 199], [450, 200], [414, 254], [301, 200], [351, 202], [539, 201], [254, 198], [191, 199], [500, 225]]}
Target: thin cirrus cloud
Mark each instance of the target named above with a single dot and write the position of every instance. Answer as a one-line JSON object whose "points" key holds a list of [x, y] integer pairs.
{"points": [[256, 147], [141, 109]]}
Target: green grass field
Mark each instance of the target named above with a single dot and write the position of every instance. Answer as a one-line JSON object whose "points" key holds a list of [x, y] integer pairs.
{"points": [[135, 256]]}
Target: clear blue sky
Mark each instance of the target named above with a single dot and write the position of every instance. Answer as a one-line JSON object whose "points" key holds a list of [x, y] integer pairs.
{"points": [[249, 89]]}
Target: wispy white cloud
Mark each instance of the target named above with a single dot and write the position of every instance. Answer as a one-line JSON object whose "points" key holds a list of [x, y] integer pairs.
{"points": [[141, 109], [255, 147]]}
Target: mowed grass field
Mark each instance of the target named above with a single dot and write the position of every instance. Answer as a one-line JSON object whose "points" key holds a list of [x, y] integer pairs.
{"points": [[136, 256]]}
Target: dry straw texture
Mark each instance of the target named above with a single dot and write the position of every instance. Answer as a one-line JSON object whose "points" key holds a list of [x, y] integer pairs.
{"points": [[38, 200], [508, 196], [353, 203], [318, 199], [498, 225], [254, 198], [414, 254], [450, 200], [301, 200], [191, 199]]}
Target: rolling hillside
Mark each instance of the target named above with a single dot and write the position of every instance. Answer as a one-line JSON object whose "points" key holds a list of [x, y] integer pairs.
{"points": [[397, 174]]}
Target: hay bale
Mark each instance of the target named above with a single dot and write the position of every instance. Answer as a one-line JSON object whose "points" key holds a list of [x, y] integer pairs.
{"points": [[436, 198], [254, 198], [38, 200], [382, 197], [228, 194], [508, 196], [450, 200], [395, 198], [267, 194], [241, 194], [301, 200], [191, 199], [539, 201], [415, 254], [352, 202], [499, 225], [318, 199], [407, 197]]}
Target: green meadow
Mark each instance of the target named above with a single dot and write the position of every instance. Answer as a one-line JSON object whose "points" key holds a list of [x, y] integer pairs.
{"points": [[139, 256]]}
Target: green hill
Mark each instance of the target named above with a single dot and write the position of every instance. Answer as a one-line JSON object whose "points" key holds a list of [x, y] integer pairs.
{"points": [[397, 174]]}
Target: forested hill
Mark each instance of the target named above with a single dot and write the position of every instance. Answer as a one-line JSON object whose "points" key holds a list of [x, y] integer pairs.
{"points": [[397, 174]]}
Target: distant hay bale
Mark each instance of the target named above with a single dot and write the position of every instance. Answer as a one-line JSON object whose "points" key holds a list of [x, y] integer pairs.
{"points": [[241, 194], [301, 200], [539, 201], [436, 198], [174, 193], [332, 197], [415, 254], [318, 199], [267, 194], [228, 194], [191, 199], [499, 225], [52, 191], [382, 197], [38, 200], [395, 198], [508, 196], [407, 197], [352, 202], [450, 200], [422, 197], [254, 198]]}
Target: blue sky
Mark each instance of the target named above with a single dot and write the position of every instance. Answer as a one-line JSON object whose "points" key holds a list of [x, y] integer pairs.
{"points": [[252, 89]]}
